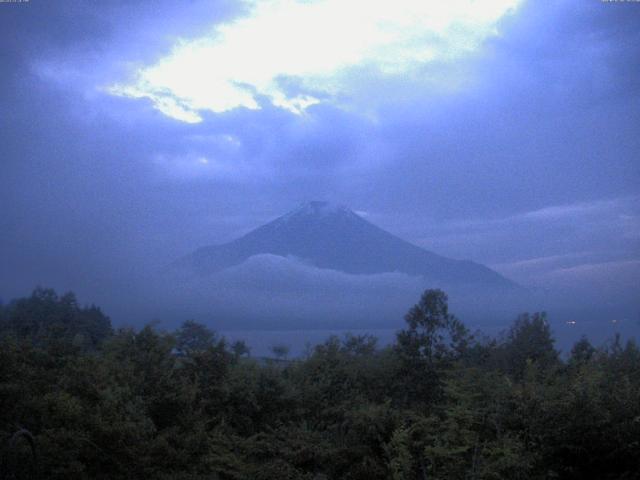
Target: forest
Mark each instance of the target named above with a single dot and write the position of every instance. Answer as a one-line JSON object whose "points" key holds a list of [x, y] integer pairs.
{"points": [[80, 399]]}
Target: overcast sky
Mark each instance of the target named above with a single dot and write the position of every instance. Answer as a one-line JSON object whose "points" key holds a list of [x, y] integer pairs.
{"points": [[132, 132]]}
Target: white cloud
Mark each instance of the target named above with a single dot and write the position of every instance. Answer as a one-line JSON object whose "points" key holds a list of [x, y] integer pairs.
{"points": [[277, 289], [539, 262], [610, 208], [602, 271], [317, 42]]}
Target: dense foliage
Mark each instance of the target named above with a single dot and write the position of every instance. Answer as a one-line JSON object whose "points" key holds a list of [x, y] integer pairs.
{"points": [[437, 404]]}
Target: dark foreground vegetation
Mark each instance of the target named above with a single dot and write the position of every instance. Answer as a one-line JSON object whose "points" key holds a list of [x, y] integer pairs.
{"points": [[438, 404]]}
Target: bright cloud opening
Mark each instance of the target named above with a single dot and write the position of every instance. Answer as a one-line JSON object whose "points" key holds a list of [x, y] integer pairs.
{"points": [[315, 42]]}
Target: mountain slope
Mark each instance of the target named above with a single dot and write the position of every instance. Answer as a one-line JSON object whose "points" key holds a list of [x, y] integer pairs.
{"points": [[334, 237]]}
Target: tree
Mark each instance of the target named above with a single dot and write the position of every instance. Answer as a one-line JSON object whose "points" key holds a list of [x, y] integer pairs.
{"points": [[434, 405], [240, 348], [529, 342], [359, 345], [434, 338], [401, 463], [193, 337], [433, 333], [281, 351], [44, 318], [582, 351]]}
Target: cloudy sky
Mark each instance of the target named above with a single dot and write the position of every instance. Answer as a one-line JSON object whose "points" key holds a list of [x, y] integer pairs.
{"points": [[502, 131]]}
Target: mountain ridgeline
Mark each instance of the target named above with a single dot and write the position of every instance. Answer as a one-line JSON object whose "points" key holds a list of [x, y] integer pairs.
{"points": [[334, 237]]}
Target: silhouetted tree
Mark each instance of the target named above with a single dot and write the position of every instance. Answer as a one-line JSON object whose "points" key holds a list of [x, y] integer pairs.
{"points": [[44, 317], [529, 342], [193, 337], [281, 351], [240, 348], [437, 404], [433, 339]]}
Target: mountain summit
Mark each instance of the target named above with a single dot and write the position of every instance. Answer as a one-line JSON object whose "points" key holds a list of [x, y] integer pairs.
{"points": [[334, 237]]}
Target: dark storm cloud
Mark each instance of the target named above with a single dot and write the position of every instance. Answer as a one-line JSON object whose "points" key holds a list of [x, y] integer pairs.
{"points": [[98, 191], [74, 188]]}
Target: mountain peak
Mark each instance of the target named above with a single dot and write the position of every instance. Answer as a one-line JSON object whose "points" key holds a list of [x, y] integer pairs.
{"points": [[322, 207], [318, 208], [333, 237]]}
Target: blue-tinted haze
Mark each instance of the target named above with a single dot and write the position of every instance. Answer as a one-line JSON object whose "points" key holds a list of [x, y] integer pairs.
{"points": [[514, 143]]}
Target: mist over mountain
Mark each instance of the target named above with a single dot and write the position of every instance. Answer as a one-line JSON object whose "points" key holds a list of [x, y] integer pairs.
{"points": [[334, 237], [323, 266]]}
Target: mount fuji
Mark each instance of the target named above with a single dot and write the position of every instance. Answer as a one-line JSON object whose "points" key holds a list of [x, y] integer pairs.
{"points": [[334, 237]]}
